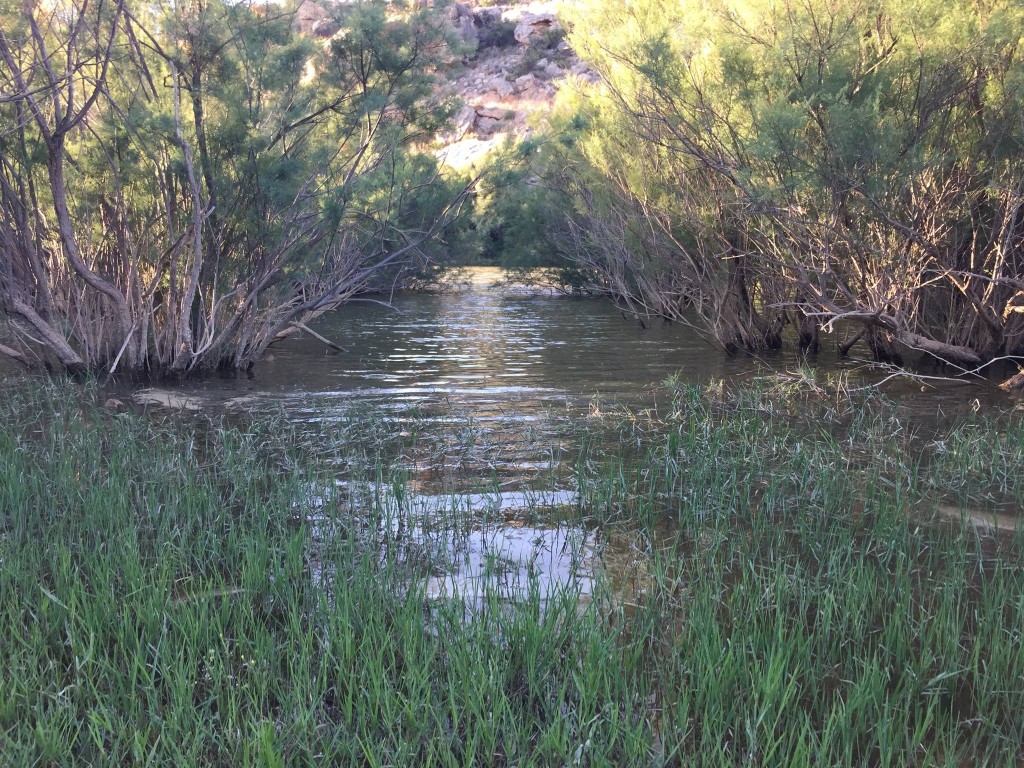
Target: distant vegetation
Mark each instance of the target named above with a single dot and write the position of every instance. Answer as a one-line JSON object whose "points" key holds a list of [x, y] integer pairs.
{"points": [[183, 184]]}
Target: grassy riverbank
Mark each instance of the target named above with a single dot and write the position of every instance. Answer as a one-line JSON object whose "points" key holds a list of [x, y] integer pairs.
{"points": [[800, 593]]}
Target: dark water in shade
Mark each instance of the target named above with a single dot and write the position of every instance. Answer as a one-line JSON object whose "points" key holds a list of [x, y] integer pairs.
{"points": [[507, 351], [489, 346], [493, 375]]}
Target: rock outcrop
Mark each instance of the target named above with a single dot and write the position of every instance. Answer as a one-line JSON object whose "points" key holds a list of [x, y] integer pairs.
{"points": [[465, 23], [513, 57], [510, 75], [533, 25], [309, 17]]}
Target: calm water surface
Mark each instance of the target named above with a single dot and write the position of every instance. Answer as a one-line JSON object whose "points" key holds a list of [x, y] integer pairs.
{"points": [[483, 346], [491, 377], [491, 350]]}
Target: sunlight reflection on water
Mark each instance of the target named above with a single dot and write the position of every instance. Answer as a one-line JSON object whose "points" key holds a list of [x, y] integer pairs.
{"points": [[484, 381]]}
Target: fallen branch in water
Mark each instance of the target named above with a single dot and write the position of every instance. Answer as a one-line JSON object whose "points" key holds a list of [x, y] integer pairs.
{"points": [[317, 336], [901, 373]]}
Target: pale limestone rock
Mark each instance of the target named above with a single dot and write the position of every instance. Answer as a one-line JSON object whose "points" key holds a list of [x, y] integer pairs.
{"points": [[502, 87], [464, 122], [491, 113], [532, 24], [308, 15], [524, 83], [462, 18]]}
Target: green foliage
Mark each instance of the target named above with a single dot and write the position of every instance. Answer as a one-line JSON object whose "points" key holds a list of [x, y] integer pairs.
{"points": [[181, 592], [541, 46], [512, 214], [498, 34], [226, 154], [853, 155], [517, 216]]}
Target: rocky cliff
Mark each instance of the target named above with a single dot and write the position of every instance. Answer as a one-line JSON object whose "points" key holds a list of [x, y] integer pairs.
{"points": [[513, 59], [516, 58]]}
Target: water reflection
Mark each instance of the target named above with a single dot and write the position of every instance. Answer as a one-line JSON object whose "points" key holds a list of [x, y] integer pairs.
{"points": [[483, 383], [504, 350], [467, 546]]}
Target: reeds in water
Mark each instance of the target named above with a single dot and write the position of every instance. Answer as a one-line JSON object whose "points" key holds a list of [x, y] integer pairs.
{"points": [[788, 596]]}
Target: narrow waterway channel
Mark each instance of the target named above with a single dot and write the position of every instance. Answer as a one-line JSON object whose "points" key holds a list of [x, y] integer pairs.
{"points": [[494, 509], [490, 350], [487, 382]]}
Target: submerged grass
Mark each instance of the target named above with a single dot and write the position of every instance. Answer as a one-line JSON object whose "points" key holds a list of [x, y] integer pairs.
{"points": [[166, 597]]}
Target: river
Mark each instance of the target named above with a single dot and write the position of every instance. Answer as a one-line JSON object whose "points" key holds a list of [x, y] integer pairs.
{"points": [[488, 378]]}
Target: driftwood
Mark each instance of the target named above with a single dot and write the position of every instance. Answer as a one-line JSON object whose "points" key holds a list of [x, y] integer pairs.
{"points": [[15, 355], [318, 337], [1015, 383]]}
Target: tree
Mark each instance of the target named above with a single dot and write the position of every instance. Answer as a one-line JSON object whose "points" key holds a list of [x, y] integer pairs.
{"points": [[815, 161], [215, 180]]}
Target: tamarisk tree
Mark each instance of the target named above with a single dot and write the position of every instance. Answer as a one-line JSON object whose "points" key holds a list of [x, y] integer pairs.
{"points": [[182, 184], [832, 164]]}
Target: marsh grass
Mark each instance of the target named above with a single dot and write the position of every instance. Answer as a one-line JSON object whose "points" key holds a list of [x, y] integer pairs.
{"points": [[171, 595]]}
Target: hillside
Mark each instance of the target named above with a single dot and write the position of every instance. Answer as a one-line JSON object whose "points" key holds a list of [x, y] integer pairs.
{"points": [[516, 58], [513, 58]]}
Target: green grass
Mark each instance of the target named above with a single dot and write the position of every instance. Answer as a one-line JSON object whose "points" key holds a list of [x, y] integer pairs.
{"points": [[168, 597]]}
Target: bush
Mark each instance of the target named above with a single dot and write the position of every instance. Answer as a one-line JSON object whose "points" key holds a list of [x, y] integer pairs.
{"points": [[499, 34]]}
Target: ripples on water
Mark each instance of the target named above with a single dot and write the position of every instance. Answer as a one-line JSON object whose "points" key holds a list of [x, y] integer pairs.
{"points": [[488, 378]]}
